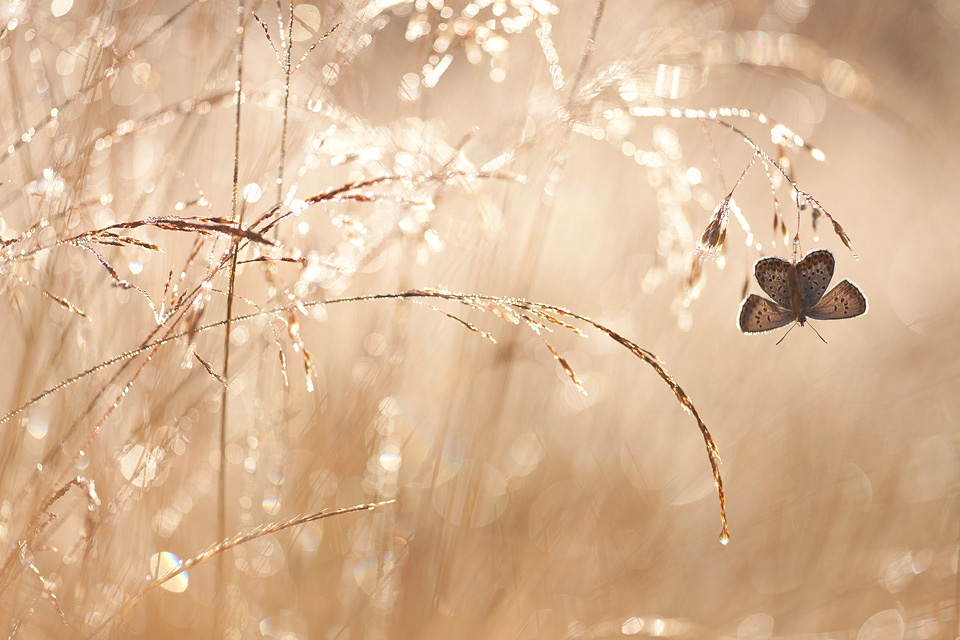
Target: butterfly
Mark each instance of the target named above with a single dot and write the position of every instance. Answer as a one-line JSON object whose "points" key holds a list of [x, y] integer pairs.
{"points": [[798, 290]]}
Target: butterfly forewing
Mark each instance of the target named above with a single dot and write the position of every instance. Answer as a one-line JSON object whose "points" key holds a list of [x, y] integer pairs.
{"points": [[757, 314], [844, 301], [816, 272], [772, 277]]}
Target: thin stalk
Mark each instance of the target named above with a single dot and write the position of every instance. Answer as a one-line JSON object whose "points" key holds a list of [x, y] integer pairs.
{"points": [[287, 69], [474, 301], [540, 227], [227, 544], [237, 216]]}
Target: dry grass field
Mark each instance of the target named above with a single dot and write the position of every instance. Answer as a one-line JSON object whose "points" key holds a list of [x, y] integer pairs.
{"points": [[431, 334]]}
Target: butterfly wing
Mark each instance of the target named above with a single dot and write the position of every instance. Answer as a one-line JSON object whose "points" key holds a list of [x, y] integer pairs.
{"points": [[772, 277], [816, 272], [758, 315], [844, 301]]}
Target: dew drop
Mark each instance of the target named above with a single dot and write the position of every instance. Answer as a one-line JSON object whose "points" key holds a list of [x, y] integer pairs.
{"points": [[37, 428], [164, 563], [252, 192]]}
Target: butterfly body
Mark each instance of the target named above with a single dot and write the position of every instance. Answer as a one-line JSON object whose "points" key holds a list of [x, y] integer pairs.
{"points": [[798, 292], [793, 294]]}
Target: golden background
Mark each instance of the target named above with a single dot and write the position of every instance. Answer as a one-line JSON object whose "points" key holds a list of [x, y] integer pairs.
{"points": [[511, 166]]}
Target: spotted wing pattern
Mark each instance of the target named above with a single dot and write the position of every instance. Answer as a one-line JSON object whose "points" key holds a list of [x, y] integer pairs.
{"points": [[844, 301], [816, 272], [757, 315], [772, 277]]}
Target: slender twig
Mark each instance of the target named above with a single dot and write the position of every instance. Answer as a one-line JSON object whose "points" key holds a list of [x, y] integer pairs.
{"points": [[287, 64], [285, 59], [541, 225], [483, 302], [227, 544], [237, 216], [98, 78], [188, 298]]}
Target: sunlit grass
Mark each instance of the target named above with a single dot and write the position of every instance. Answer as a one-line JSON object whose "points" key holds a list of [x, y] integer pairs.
{"points": [[343, 301]]}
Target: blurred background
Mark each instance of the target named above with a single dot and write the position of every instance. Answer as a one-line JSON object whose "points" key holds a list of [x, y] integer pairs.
{"points": [[522, 152]]}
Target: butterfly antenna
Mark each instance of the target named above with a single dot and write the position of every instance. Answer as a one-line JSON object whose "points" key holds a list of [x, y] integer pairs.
{"points": [[787, 333], [817, 332]]}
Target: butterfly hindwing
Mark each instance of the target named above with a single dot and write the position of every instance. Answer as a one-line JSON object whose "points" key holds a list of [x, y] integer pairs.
{"points": [[816, 272], [844, 301], [757, 315], [771, 275]]}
